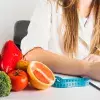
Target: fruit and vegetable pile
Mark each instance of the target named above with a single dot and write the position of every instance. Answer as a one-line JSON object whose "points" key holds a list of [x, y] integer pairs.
{"points": [[16, 73]]}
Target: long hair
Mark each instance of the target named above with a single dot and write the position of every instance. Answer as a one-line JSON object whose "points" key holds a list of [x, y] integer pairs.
{"points": [[96, 33], [71, 22]]}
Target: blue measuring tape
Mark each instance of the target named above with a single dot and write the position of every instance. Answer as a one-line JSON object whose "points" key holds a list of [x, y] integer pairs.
{"points": [[70, 82]]}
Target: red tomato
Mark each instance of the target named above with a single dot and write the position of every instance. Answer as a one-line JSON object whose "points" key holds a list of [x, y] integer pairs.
{"points": [[19, 79]]}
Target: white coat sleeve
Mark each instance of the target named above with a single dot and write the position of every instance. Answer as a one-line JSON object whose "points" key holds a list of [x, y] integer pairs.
{"points": [[39, 28]]}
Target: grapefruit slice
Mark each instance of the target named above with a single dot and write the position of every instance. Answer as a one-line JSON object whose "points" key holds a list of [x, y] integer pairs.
{"points": [[41, 77]]}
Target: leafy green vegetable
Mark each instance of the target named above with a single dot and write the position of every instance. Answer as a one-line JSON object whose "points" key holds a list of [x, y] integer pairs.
{"points": [[5, 84]]}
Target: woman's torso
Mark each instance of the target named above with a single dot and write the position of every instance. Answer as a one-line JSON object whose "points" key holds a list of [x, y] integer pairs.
{"points": [[39, 33], [85, 33]]}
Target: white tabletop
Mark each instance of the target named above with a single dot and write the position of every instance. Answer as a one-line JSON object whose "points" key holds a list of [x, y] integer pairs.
{"points": [[79, 93], [83, 93]]}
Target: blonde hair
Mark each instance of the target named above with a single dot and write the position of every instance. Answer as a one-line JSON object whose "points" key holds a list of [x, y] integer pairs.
{"points": [[70, 21]]}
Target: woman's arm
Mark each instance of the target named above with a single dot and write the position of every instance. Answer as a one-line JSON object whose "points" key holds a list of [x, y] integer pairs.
{"points": [[65, 65], [58, 63]]}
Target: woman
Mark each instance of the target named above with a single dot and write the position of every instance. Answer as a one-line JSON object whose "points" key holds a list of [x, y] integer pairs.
{"points": [[64, 34]]}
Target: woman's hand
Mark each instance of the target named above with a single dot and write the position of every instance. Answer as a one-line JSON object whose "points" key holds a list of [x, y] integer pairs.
{"points": [[92, 58], [94, 71]]}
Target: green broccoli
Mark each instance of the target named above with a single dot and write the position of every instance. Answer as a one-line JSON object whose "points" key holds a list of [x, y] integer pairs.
{"points": [[5, 84]]}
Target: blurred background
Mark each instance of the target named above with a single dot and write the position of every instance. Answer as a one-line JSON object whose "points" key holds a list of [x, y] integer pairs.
{"points": [[12, 11]]}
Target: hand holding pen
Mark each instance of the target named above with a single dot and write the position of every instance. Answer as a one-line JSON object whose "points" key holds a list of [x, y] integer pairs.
{"points": [[95, 57]]}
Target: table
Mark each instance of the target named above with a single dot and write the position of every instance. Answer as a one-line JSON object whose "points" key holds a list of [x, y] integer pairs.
{"points": [[78, 93]]}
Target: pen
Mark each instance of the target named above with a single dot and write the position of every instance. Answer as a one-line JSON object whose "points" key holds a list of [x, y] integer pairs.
{"points": [[92, 84], [96, 87]]}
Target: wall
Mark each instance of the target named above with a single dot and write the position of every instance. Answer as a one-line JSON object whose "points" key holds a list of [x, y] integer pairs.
{"points": [[10, 12]]}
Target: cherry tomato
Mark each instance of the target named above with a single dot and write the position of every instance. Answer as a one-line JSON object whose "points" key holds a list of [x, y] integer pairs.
{"points": [[19, 79]]}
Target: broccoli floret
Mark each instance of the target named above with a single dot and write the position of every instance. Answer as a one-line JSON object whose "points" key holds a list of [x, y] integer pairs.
{"points": [[5, 84]]}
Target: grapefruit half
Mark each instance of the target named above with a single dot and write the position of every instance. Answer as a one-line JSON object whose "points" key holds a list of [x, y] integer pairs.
{"points": [[41, 77]]}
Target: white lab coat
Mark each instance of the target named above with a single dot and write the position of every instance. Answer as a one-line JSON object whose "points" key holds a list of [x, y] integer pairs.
{"points": [[42, 33]]}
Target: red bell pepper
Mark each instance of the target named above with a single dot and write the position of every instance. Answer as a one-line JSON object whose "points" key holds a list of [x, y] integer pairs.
{"points": [[10, 55]]}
